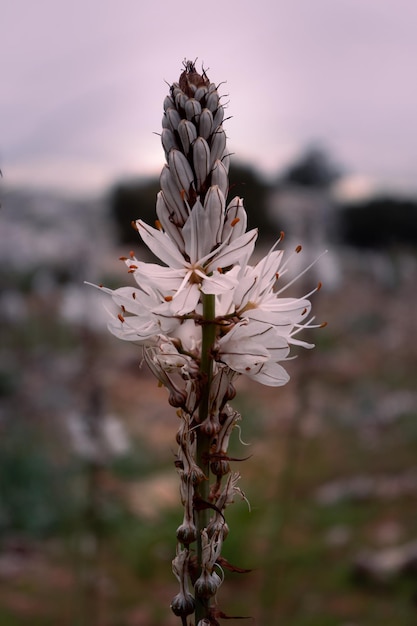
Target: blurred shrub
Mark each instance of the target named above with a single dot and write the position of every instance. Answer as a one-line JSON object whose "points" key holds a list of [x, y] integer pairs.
{"points": [[381, 222]]}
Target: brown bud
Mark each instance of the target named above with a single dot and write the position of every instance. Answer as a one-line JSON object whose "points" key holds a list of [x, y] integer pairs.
{"points": [[191, 77]]}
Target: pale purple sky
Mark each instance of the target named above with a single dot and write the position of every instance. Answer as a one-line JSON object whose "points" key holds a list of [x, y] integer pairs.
{"points": [[82, 84]]}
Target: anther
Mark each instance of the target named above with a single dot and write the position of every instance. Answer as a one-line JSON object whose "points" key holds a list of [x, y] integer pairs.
{"points": [[323, 325], [133, 267], [121, 318], [132, 254], [158, 225], [167, 298], [123, 308], [235, 221], [319, 286], [122, 258], [134, 225], [134, 295], [298, 249], [101, 286], [304, 312]]}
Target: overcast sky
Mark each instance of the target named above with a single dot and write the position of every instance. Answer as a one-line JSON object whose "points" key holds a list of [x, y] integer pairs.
{"points": [[83, 81]]}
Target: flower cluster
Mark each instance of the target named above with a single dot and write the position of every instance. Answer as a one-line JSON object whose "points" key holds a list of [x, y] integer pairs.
{"points": [[202, 318]]}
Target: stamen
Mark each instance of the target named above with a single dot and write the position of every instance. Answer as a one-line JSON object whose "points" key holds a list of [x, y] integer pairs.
{"points": [[298, 249], [301, 274], [158, 225], [134, 295], [122, 258], [235, 221], [134, 225], [121, 318], [168, 298], [132, 254]]}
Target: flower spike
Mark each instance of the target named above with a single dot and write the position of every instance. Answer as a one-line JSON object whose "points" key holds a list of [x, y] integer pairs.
{"points": [[202, 317]]}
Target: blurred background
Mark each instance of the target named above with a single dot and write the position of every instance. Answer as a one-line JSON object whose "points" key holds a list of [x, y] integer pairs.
{"points": [[322, 128]]}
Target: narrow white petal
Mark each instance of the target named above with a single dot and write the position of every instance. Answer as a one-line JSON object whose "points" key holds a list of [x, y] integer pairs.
{"points": [[237, 252], [160, 245], [270, 374]]}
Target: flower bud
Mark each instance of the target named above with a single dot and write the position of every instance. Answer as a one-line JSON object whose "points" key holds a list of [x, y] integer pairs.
{"points": [[188, 134], [205, 125], [192, 109]]}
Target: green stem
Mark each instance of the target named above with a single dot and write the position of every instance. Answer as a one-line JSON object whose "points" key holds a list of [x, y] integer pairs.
{"points": [[204, 440]]}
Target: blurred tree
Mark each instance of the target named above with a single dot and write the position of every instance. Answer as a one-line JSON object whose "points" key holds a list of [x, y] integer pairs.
{"points": [[313, 169], [381, 222], [130, 201], [249, 185]]}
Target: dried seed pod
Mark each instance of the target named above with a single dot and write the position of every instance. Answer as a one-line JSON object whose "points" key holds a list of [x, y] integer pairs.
{"points": [[187, 533], [206, 585], [183, 604], [220, 467]]}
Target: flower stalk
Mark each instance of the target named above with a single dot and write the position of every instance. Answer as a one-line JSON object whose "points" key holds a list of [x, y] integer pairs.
{"points": [[202, 318], [204, 438]]}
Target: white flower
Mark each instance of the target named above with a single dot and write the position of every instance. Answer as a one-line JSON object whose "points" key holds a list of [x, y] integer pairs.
{"points": [[254, 348], [195, 270], [144, 314]]}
